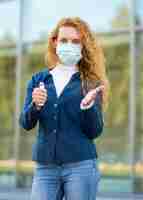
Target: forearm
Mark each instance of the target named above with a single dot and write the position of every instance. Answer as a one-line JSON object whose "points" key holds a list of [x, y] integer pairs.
{"points": [[92, 119], [29, 116]]}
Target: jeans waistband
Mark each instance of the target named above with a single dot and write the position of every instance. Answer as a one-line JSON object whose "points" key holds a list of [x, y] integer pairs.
{"points": [[78, 163], [71, 164]]}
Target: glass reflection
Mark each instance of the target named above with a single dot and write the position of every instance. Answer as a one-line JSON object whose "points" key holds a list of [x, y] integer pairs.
{"points": [[101, 15], [139, 12], [8, 21], [113, 144], [138, 154]]}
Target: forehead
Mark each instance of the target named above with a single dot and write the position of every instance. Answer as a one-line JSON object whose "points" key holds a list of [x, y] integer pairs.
{"points": [[68, 32]]}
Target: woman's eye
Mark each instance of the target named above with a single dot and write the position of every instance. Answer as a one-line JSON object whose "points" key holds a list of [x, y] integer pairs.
{"points": [[76, 41], [63, 40]]}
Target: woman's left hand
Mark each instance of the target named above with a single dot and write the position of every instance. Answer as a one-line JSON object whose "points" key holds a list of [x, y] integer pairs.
{"points": [[90, 96]]}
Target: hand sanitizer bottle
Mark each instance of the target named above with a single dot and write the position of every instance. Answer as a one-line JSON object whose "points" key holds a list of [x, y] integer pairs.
{"points": [[41, 86]]}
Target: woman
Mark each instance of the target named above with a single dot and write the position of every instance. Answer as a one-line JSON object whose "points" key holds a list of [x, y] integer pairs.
{"points": [[67, 99]]}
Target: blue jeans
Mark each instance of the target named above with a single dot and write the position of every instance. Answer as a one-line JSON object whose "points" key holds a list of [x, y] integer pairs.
{"points": [[73, 181]]}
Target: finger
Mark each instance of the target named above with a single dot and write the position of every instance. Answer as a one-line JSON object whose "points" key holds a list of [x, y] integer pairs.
{"points": [[90, 96], [96, 90], [86, 101], [41, 102], [35, 89], [42, 94], [100, 88], [39, 93], [42, 90], [39, 98], [36, 96]]}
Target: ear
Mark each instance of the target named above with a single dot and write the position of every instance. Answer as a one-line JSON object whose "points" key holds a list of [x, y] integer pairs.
{"points": [[54, 41]]}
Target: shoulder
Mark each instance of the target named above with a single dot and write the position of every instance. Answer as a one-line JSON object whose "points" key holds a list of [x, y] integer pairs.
{"points": [[38, 76], [41, 74]]}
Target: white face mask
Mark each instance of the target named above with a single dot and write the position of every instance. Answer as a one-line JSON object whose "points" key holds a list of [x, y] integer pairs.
{"points": [[69, 53]]}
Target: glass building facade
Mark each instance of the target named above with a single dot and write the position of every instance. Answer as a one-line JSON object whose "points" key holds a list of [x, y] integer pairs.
{"points": [[24, 28]]}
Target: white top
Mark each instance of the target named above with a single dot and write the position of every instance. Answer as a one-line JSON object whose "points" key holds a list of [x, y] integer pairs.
{"points": [[61, 75]]}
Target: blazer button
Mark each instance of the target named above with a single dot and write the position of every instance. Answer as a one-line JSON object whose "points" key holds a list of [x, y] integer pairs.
{"points": [[50, 85], [55, 105], [55, 117], [54, 130]]}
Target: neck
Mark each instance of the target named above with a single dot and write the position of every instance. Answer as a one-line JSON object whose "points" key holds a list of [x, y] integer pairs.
{"points": [[67, 67]]}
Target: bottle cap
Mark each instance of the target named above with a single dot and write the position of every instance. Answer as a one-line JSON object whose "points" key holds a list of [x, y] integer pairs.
{"points": [[41, 85]]}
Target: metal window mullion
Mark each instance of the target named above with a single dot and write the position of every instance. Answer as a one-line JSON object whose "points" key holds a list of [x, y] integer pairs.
{"points": [[132, 91], [19, 47]]}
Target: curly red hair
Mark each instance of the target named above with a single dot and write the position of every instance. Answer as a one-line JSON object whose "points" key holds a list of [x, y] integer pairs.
{"points": [[92, 64]]}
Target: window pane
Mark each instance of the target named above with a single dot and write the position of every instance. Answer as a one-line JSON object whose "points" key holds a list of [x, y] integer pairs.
{"points": [[7, 75], [8, 35], [33, 61], [33, 57], [101, 15], [139, 12], [8, 22], [138, 155], [113, 146]]}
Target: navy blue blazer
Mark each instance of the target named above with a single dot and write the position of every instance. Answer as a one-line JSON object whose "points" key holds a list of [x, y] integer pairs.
{"points": [[65, 132]]}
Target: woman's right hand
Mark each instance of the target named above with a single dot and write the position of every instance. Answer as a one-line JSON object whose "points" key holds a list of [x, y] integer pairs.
{"points": [[39, 97]]}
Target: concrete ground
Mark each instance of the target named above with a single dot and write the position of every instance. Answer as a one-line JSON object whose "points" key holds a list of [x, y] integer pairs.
{"points": [[18, 194]]}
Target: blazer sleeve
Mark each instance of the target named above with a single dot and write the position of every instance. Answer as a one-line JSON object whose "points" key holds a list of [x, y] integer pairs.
{"points": [[29, 115], [92, 122]]}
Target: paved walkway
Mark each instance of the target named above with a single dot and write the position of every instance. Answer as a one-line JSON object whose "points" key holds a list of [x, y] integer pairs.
{"points": [[17, 194]]}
